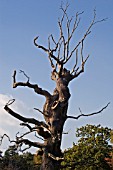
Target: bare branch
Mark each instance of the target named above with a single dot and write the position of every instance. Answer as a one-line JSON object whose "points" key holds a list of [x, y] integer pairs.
{"points": [[91, 114], [54, 42], [26, 148], [24, 74], [88, 31], [49, 52], [27, 125], [62, 19], [24, 119], [62, 46], [10, 102], [75, 25], [55, 157], [19, 142], [40, 46], [14, 77], [37, 89], [64, 11], [26, 133], [73, 70], [78, 71], [30, 143], [2, 137], [32, 129], [39, 125], [38, 137], [41, 112]]}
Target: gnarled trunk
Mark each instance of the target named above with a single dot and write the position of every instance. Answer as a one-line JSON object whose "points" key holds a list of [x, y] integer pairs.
{"points": [[55, 113]]}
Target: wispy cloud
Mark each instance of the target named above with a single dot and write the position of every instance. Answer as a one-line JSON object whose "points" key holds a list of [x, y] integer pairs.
{"points": [[9, 124], [5, 118]]}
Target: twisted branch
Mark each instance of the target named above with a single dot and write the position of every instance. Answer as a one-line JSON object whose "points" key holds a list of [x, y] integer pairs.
{"points": [[37, 89], [62, 46], [91, 114], [24, 119]]}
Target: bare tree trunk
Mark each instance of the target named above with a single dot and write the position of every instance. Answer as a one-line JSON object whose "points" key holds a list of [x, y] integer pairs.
{"points": [[55, 115]]}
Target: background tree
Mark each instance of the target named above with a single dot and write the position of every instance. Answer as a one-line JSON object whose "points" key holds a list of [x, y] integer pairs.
{"points": [[91, 150], [12, 160], [112, 147], [56, 104], [111, 137]]}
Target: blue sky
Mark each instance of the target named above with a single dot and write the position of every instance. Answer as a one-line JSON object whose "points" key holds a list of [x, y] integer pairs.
{"points": [[20, 22]]}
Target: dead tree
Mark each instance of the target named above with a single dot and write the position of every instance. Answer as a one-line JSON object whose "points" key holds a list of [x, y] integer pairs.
{"points": [[56, 104]]}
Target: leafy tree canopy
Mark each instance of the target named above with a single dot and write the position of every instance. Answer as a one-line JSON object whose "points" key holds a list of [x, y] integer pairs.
{"points": [[90, 151], [13, 161]]}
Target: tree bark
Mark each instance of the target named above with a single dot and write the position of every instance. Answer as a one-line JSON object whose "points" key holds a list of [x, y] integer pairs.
{"points": [[55, 111]]}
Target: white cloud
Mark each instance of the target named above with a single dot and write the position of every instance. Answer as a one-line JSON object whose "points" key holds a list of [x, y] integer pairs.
{"points": [[8, 124], [18, 106], [2, 131], [4, 117]]}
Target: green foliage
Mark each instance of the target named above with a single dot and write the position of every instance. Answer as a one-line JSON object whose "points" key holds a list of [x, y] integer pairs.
{"points": [[13, 161], [90, 152], [111, 136]]}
